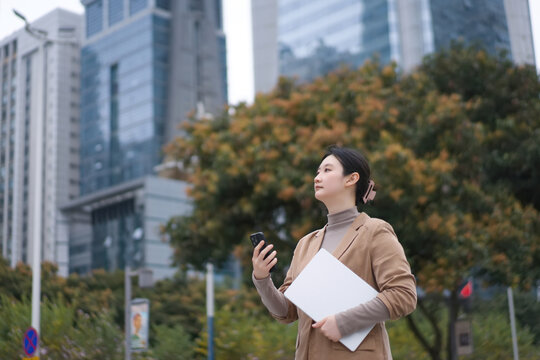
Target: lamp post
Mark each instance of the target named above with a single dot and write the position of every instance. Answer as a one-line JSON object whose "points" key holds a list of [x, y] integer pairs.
{"points": [[38, 183], [145, 281], [37, 205], [210, 308], [200, 115]]}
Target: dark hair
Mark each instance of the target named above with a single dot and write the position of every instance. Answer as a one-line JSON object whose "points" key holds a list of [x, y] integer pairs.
{"points": [[352, 161]]}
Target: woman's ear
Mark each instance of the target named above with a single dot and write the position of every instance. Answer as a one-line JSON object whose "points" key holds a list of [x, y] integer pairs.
{"points": [[353, 178]]}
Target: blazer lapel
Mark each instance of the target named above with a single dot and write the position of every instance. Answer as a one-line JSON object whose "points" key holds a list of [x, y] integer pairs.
{"points": [[313, 248], [351, 234]]}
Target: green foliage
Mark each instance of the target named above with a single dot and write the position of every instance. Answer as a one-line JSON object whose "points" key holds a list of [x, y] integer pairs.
{"points": [[526, 307], [172, 343], [491, 337], [239, 335], [67, 333], [405, 347]]}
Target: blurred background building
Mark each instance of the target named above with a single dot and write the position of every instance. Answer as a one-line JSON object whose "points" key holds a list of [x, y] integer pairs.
{"points": [[39, 96], [144, 65], [306, 39]]}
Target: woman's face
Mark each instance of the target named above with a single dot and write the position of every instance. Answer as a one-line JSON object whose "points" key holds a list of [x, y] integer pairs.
{"points": [[329, 181]]}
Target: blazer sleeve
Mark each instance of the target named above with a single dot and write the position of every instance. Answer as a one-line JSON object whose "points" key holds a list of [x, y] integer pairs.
{"points": [[392, 272]]}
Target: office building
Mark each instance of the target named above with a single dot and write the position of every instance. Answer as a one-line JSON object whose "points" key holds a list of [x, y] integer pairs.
{"points": [[106, 223], [39, 100], [145, 65], [306, 39]]}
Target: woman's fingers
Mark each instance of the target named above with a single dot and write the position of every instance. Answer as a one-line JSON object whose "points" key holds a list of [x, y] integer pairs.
{"points": [[266, 250], [257, 249], [263, 260], [272, 262]]}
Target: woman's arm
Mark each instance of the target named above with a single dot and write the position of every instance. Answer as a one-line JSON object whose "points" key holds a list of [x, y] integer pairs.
{"points": [[361, 316], [280, 308], [392, 273], [273, 299], [394, 279]]}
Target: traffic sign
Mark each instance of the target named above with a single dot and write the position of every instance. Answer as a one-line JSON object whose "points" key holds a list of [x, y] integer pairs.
{"points": [[30, 341]]}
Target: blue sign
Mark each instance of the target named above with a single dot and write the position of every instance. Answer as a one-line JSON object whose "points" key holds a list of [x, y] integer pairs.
{"points": [[30, 341]]}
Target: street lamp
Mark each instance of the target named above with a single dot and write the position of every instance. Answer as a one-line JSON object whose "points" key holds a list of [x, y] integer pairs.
{"points": [[145, 281], [41, 35], [36, 234], [35, 32]]}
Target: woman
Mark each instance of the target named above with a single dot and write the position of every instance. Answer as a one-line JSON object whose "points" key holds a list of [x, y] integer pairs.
{"points": [[368, 246]]}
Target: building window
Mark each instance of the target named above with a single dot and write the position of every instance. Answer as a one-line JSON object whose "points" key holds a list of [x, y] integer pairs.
{"points": [[116, 11], [137, 5], [94, 18], [164, 4]]}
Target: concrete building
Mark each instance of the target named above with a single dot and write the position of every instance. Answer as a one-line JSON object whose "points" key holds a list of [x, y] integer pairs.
{"points": [[39, 100], [144, 65], [105, 223], [308, 39]]}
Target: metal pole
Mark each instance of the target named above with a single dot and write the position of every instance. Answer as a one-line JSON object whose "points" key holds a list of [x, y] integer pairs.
{"points": [[37, 226], [513, 322], [127, 286], [38, 205], [127, 305], [210, 308]]}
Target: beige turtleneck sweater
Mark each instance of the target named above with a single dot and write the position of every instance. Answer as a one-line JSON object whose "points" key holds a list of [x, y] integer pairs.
{"points": [[348, 321]]}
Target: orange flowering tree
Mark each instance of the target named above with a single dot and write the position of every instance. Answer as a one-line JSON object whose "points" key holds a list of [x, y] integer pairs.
{"points": [[454, 149]]}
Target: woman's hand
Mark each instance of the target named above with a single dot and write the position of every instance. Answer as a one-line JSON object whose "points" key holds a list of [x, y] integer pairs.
{"points": [[262, 266], [329, 328]]}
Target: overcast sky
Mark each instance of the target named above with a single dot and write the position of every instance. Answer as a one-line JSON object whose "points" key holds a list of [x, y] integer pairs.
{"points": [[237, 24]]}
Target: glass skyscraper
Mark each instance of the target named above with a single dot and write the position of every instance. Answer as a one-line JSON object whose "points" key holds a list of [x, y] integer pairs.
{"points": [[145, 64], [130, 82], [309, 38], [482, 21], [123, 102], [315, 37]]}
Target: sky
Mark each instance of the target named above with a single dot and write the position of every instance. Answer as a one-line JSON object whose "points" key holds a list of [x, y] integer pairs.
{"points": [[237, 27]]}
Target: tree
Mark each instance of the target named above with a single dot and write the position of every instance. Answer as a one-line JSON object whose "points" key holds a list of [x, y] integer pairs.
{"points": [[438, 141]]}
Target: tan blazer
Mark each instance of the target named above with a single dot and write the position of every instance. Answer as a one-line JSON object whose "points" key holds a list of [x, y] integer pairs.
{"points": [[369, 248]]}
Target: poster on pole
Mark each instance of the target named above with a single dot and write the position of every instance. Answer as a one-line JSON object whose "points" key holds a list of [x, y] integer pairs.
{"points": [[140, 314]]}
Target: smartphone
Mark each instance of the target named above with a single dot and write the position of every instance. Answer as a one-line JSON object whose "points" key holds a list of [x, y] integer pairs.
{"points": [[256, 238]]}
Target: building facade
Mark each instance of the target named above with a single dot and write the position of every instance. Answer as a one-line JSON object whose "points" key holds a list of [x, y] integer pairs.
{"points": [[145, 64], [307, 39], [126, 219], [39, 100]]}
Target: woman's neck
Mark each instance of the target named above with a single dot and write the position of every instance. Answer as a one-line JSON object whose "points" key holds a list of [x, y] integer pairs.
{"points": [[339, 205]]}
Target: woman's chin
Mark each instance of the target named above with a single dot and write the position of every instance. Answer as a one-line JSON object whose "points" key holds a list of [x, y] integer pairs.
{"points": [[319, 195]]}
